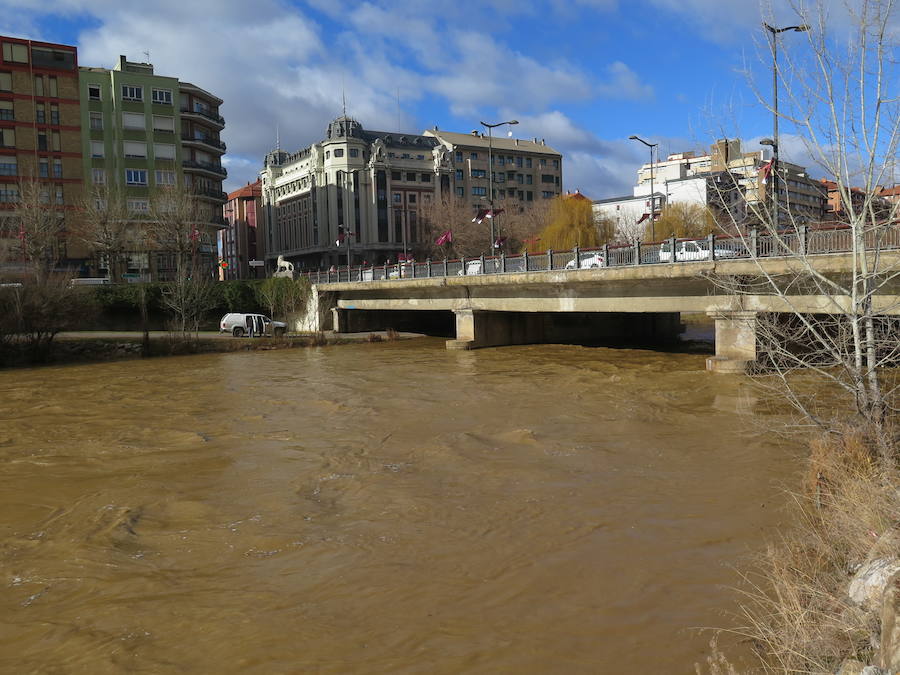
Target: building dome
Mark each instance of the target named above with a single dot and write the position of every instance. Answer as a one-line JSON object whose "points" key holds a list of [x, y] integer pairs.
{"points": [[344, 127]]}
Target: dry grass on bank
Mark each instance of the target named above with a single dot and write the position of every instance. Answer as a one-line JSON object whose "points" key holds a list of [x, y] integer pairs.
{"points": [[799, 617]]}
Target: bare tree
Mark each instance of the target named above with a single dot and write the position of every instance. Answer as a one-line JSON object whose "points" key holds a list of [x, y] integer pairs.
{"points": [[108, 229], [842, 99], [35, 231], [175, 226], [516, 223]]}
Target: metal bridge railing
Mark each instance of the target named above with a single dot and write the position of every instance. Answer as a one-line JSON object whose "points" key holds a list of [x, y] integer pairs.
{"points": [[801, 241]]}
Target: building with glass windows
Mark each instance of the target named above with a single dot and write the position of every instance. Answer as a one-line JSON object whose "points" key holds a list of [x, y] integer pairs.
{"points": [[145, 132], [40, 130], [361, 194]]}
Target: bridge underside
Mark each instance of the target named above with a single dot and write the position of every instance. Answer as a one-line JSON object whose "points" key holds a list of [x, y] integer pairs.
{"points": [[474, 329]]}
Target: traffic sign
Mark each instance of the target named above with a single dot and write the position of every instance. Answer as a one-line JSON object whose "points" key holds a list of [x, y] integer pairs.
{"points": [[257, 263]]}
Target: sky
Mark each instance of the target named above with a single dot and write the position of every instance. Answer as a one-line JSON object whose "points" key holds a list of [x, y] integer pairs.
{"points": [[582, 74]]}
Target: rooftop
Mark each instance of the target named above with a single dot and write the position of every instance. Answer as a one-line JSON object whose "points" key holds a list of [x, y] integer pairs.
{"points": [[498, 142]]}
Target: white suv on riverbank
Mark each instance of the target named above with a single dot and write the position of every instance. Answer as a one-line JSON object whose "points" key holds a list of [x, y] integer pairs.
{"points": [[245, 324]]}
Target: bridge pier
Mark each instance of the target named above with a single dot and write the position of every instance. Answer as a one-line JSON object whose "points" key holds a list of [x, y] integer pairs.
{"points": [[735, 341], [476, 329]]}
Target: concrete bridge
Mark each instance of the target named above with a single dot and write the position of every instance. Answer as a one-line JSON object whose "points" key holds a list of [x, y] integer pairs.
{"points": [[637, 302]]}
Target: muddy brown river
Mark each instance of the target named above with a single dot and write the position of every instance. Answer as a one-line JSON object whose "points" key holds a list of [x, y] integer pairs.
{"points": [[379, 508]]}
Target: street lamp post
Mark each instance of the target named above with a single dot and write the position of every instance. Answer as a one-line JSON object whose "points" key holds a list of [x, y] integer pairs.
{"points": [[652, 192], [490, 128], [773, 32]]}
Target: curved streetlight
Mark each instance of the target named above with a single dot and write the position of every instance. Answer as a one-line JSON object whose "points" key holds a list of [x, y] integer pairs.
{"points": [[490, 128], [773, 32], [652, 194]]}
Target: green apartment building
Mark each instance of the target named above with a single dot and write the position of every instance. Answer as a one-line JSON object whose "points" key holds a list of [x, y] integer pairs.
{"points": [[143, 132]]}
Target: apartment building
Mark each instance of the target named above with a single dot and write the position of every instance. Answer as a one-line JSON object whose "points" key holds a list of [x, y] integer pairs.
{"points": [[40, 131], [240, 241], [523, 171], [146, 132], [726, 179], [360, 194]]}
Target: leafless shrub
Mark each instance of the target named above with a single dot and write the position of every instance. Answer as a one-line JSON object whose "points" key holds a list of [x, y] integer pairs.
{"points": [[391, 335]]}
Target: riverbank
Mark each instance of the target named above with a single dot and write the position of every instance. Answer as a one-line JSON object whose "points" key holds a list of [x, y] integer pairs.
{"points": [[102, 346]]}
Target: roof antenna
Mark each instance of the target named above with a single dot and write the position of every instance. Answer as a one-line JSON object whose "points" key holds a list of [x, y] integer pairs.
{"points": [[147, 54], [277, 137]]}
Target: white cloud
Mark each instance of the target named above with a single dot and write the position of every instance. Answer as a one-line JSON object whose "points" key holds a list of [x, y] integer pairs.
{"points": [[624, 83]]}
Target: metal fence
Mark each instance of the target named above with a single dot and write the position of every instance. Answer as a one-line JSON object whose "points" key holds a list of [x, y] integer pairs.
{"points": [[801, 241]]}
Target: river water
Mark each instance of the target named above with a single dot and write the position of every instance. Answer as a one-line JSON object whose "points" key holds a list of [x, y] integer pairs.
{"points": [[378, 508]]}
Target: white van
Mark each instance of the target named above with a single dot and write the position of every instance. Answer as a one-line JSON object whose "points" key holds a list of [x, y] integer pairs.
{"points": [[244, 324]]}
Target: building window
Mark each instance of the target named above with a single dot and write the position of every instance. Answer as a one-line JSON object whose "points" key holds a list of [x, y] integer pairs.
{"points": [[479, 191], [38, 85], [132, 120], [528, 162], [54, 113], [473, 155], [521, 195], [97, 149], [42, 140], [460, 192], [136, 176], [547, 195], [328, 154], [354, 152], [338, 152], [459, 174], [542, 162], [96, 120], [520, 178], [162, 96], [426, 177], [398, 198], [165, 177], [136, 150], [500, 160], [43, 168], [546, 178], [8, 166], [479, 173], [163, 151], [132, 93], [519, 162], [40, 114], [58, 190], [7, 138], [529, 179], [57, 168], [411, 199], [15, 53], [55, 139], [555, 163], [9, 193], [529, 196], [54, 89], [98, 176], [162, 123], [5, 81], [411, 177], [94, 92], [395, 175], [459, 156], [138, 205]]}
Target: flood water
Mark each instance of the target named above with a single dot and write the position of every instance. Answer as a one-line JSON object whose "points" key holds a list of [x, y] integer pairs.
{"points": [[378, 508]]}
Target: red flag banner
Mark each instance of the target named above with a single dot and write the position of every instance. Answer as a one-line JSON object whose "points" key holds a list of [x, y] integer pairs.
{"points": [[485, 213], [765, 170], [445, 238], [500, 241]]}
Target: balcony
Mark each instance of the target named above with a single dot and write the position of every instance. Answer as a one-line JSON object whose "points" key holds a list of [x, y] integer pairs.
{"points": [[216, 169], [208, 115], [211, 193], [216, 145]]}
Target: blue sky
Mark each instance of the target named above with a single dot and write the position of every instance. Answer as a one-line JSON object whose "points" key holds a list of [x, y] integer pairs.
{"points": [[582, 74]]}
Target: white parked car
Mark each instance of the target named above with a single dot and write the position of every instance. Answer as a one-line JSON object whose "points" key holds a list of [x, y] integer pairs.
{"points": [[241, 324], [588, 259], [691, 250], [491, 266]]}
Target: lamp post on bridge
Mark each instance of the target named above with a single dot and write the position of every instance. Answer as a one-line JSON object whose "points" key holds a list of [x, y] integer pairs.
{"points": [[490, 128], [652, 193], [773, 34]]}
